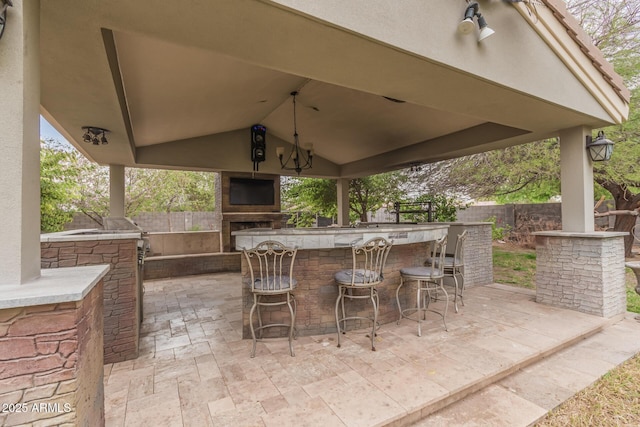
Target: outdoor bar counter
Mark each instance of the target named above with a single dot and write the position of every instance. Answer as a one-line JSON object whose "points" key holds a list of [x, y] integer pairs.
{"points": [[324, 251]]}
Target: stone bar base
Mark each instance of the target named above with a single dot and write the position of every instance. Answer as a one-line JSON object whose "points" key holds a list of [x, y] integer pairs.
{"points": [[581, 271], [121, 288], [478, 258], [51, 363]]}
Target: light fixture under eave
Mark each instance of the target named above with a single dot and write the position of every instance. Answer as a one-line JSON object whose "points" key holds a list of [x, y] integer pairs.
{"points": [[466, 26], [601, 148], [299, 158], [95, 135]]}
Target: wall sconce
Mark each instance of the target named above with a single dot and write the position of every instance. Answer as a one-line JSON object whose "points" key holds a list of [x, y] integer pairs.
{"points": [[258, 145], [95, 135], [600, 149], [467, 26], [3, 15], [298, 158]]}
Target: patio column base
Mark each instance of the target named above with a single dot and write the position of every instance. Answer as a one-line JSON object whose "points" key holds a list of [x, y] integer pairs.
{"points": [[581, 271], [51, 364]]}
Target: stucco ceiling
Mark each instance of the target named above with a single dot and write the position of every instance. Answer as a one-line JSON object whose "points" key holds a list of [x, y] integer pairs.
{"points": [[180, 88]]}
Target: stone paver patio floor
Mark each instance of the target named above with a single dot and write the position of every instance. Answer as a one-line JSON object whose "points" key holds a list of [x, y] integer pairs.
{"points": [[194, 367]]}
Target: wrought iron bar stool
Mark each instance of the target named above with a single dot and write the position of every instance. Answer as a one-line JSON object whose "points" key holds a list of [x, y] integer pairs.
{"points": [[454, 267], [361, 280], [430, 278], [271, 269]]}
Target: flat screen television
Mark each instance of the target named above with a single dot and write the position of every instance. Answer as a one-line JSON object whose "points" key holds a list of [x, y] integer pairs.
{"points": [[247, 191]]}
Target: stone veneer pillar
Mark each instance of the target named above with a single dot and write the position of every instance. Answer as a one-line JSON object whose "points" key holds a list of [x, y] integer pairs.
{"points": [[51, 365], [581, 271], [121, 294]]}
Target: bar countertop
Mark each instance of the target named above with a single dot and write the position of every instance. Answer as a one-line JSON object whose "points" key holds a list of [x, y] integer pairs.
{"points": [[336, 237]]}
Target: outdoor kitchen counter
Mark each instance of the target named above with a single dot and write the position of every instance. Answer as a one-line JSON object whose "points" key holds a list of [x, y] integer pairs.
{"points": [[324, 251], [335, 237]]}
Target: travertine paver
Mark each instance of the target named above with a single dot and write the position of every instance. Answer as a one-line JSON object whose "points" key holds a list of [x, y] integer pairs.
{"points": [[195, 369]]}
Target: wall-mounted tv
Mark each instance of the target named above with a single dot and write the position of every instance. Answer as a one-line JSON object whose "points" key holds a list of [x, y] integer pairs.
{"points": [[247, 191]]}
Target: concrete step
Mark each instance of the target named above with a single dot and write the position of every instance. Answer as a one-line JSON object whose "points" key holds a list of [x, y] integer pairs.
{"points": [[524, 396]]}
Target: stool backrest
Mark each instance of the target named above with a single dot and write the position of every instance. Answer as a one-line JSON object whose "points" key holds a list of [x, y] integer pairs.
{"points": [[271, 266], [369, 260], [458, 255], [436, 256]]}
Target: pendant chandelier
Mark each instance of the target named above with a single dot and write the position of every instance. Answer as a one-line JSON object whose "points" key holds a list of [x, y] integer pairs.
{"points": [[299, 158]]}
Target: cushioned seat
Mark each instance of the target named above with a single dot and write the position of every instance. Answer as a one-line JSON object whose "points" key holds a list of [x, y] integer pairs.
{"points": [[360, 277], [276, 285]]}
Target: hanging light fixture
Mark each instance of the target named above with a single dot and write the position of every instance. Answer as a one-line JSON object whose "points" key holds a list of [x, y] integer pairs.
{"points": [[95, 135], [466, 26], [299, 158], [600, 149]]}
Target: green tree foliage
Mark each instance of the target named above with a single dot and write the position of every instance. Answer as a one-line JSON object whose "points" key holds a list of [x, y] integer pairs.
{"points": [[71, 183], [310, 196], [58, 186], [370, 193]]}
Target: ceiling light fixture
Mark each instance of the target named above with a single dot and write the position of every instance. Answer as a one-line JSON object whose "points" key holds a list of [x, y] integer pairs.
{"points": [[600, 149], [299, 158], [95, 135], [467, 25]]}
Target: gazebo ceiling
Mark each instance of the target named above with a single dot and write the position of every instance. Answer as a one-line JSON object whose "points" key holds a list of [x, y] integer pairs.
{"points": [[178, 90]]}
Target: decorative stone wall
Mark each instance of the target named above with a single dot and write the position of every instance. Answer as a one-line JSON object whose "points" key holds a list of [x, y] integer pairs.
{"points": [[51, 363], [582, 272], [121, 299]]}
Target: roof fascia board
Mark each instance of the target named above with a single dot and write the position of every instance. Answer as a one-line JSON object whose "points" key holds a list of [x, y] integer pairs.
{"points": [[557, 37]]}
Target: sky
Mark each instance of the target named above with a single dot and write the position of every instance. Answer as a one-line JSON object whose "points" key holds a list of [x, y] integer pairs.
{"points": [[48, 132]]}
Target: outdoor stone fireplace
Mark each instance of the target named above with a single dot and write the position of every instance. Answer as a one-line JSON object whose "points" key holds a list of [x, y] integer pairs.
{"points": [[247, 201]]}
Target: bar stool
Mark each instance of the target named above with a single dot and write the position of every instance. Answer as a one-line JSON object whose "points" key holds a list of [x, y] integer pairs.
{"points": [[454, 267], [361, 280], [271, 269], [429, 278]]}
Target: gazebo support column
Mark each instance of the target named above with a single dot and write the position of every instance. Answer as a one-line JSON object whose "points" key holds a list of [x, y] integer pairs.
{"points": [[116, 191], [51, 321], [578, 268], [343, 201], [20, 146]]}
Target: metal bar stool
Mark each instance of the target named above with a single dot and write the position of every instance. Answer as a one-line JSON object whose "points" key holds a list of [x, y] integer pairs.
{"points": [[361, 280], [454, 267], [271, 269], [429, 278]]}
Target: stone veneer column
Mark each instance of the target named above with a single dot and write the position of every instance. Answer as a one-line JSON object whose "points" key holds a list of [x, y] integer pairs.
{"points": [[51, 365], [121, 299], [581, 271]]}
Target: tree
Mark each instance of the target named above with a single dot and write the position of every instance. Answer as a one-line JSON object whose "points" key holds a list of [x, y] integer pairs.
{"points": [[71, 183], [58, 186], [319, 196]]}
